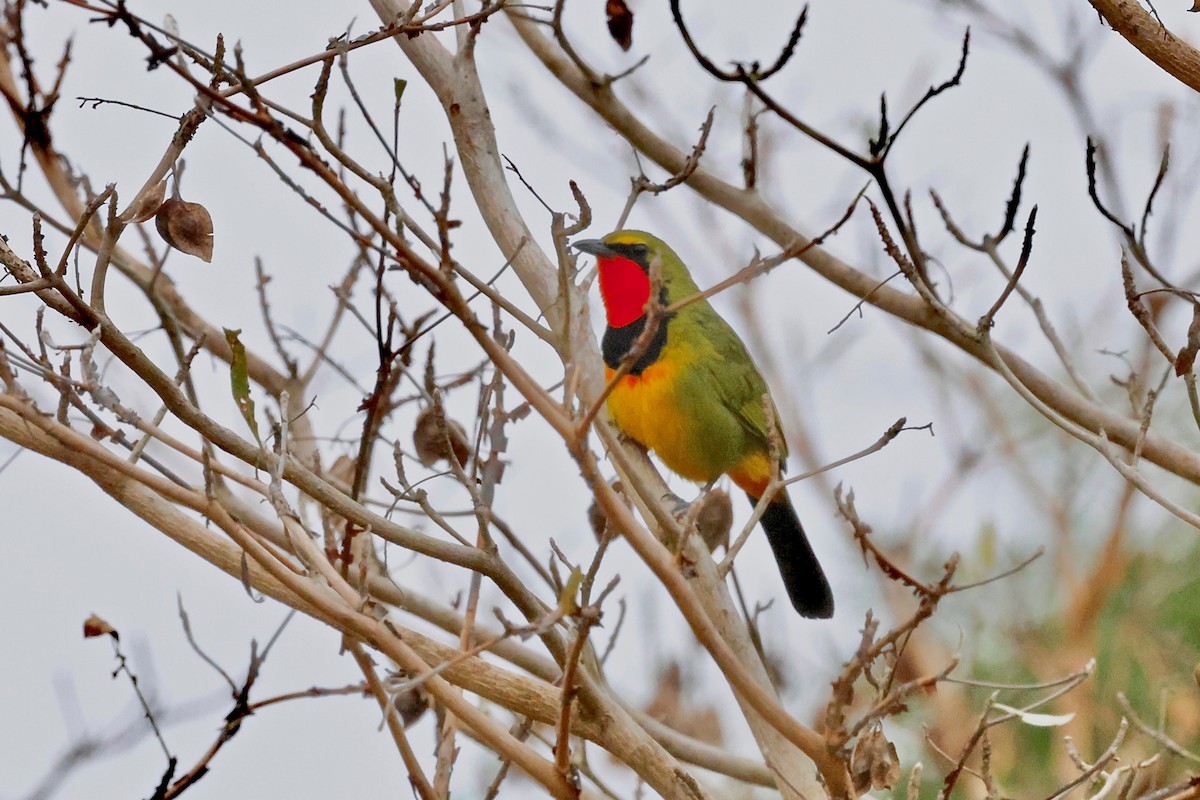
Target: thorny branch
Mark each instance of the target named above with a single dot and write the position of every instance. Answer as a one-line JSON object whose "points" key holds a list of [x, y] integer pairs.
{"points": [[392, 241]]}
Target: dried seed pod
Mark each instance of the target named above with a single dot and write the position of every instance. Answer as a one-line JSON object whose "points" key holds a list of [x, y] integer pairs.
{"points": [[874, 764], [147, 205], [187, 227], [342, 471], [598, 520], [668, 695], [672, 705], [97, 626], [429, 439], [715, 519], [620, 22], [411, 705]]}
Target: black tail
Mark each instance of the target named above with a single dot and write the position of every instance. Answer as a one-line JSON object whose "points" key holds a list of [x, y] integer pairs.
{"points": [[802, 575]]}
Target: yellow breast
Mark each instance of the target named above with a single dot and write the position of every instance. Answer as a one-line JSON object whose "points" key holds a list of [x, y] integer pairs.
{"points": [[650, 409]]}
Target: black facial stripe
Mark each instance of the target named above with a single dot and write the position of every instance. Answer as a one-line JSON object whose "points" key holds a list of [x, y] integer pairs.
{"points": [[617, 342], [634, 252]]}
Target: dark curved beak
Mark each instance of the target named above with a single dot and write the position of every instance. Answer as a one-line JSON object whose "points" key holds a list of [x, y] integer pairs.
{"points": [[594, 247]]}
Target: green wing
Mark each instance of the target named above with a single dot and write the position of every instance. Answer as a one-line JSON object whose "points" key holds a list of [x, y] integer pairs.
{"points": [[736, 379]]}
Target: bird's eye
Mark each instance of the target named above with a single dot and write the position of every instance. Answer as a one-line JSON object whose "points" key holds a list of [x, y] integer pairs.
{"points": [[639, 251]]}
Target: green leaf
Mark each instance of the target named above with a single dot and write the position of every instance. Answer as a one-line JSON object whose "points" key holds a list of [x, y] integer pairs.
{"points": [[239, 380], [400, 86]]}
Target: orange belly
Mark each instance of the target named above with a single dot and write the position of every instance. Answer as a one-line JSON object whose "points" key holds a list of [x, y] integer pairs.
{"points": [[683, 422]]}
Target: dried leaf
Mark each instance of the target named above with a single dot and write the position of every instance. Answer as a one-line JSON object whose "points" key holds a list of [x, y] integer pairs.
{"points": [[187, 227], [400, 85], [860, 771], [429, 439], [1036, 720], [566, 599], [239, 381], [620, 22], [886, 773], [147, 205], [95, 626], [1195, 6]]}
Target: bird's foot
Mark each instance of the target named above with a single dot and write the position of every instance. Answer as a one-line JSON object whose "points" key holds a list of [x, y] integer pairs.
{"points": [[678, 506], [710, 515], [681, 507]]}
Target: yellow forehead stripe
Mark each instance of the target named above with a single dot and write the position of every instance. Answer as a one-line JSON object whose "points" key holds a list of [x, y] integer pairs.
{"points": [[625, 237]]}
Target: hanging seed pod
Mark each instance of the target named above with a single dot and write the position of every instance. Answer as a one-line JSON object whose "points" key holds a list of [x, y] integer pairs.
{"points": [[430, 439], [715, 519], [96, 626], [187, 227], [598, 520], [620, 22], [411, 705]]}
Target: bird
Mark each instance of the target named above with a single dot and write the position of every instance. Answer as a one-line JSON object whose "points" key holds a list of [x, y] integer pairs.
{"points": [[688, 391]]}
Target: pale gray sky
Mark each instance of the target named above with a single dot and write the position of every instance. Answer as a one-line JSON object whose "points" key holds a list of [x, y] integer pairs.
{"points": [[67, 551]]}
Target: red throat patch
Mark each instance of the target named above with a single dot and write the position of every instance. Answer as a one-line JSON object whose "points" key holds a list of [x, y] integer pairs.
{"points": [[625, 288]]}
